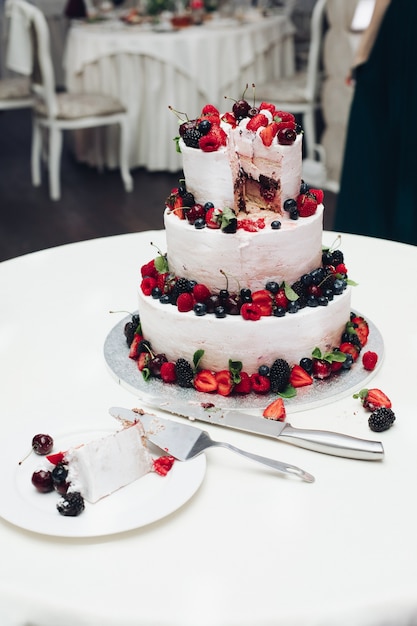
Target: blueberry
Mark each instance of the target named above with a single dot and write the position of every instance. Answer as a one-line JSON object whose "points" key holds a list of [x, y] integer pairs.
{"points": [[246, 295], [312, 301], [200, 309], [204, 127], [328, 293], [307, 364], [327, 257], [294, 214], [263, 370], [220, 311], [272, 286], [323, 301], [231, 226], [348, 362], [208, 205], [306, 280], [317, 275], [339, 286], [293, 307], [165, 299], [199, 223], [156, 293], [276, 225], [304, 188], [279, 311], [182, 190], [290, 204]]}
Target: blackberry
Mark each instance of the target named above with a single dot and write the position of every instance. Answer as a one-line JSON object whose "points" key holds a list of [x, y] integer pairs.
{"points": [[299, 289], [381, 419], [184, 373], [279, 375], [337, 257], [188, 200], [191, 137], [327, 258], [71, 505]]}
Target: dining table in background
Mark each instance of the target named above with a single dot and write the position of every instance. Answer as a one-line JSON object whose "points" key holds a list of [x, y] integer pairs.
{"points": [[250, 546], [187, 68]]}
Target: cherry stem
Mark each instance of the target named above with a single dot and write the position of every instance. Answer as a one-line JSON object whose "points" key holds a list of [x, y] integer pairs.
{"points": [[25, 457], [253, 87], [178, 113]]}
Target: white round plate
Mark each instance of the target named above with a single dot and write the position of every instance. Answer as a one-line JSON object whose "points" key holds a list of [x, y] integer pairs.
{"points": [[143, 502], [157, 394]]}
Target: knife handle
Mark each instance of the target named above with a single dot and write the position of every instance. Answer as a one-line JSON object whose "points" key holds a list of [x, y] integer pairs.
{"points": [[336, 444]]}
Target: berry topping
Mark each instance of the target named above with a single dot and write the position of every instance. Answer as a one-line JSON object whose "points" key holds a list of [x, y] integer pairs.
{"points": [[42, 481], [205, 381], [163, 464], [279, 375], [306, 205], [185, 302], [268, 133], [168, 374], [373, 399], [299, 377], [71, 505], [286, 136], [224, 382], [42, 444], [184, 373], [257, 121], [369, 360], [275, 410], [259, 383], [244, 385], [381, 419]]}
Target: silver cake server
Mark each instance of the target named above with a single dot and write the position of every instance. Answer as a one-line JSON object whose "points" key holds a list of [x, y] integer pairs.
{"points": [[327, 442], [184, 442]]}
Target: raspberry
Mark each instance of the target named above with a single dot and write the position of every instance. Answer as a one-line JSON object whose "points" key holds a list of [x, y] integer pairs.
{"points": [[251, 311], [279, 375], [244, 386], [147, 284], [381, 419], [185, 302], [168, 374], [201, 293], [369, 360], [260, 384]]}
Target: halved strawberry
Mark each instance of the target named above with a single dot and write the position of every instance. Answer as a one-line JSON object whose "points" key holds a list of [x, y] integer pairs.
{"points": [[263, 299], [349, 348], [229, 118], [275, 410], [224, 382], [268, 133], [373, 399], [362, 328], [259, 383], [213, 218], [133, 352], [56, 458], [168, 373], [143, 360], [205, 381], [257, 121], [299, 377], [244, 386]]}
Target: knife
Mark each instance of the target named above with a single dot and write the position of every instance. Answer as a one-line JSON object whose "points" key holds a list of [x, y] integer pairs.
{"points": [[184, 442], [327, 442]]}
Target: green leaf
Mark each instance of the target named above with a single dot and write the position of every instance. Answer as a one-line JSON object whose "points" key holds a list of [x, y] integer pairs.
{"points": [[146, 373], [161, 264], [361, 394], [235, 367], [226, 217], [352, 282], [289, 392], [338, 357], [290, 293], [177, 144], [198, 354], [316, 354], [138, 330]]}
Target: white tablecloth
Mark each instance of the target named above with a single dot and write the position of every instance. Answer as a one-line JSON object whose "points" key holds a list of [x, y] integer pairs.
{"points": [[186, 69], [251, 547]]}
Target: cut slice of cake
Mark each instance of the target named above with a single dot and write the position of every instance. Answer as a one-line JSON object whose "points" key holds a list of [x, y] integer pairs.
{"points": [[102, 466]]}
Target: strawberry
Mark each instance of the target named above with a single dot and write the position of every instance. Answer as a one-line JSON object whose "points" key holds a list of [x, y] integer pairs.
{"points": [[268, 133], [147, 284], [174, 203], [263, 299], [318, 194], [168, 374], [205, 381], [267, 106], [224, 382], [321, 369], [284, 116], [361, 327], [306, 205], [201, 293], [369, 360], [213, 218], [143, 360], [257, 121], [281, 299], [229, 118], [163, 464], [185, 302], [161, 281], [373, 399], [275, 410], [250, 311], [209, 109], [56, 458], [260, 384], [349, 348], [133, 352], [299, 377], [244, 386]]}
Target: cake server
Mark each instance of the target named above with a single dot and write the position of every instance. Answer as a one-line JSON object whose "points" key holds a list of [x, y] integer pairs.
{"points": [[184, 442], [327, 442]]}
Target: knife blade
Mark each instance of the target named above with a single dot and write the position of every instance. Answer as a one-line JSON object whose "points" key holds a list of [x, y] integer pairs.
{"points": [[324, 441], [184, 442]]}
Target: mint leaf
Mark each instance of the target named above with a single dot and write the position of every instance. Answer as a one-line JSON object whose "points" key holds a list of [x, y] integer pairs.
{"points": [[316, 354], [146, 373], [290, 293], [288, 392], [197, 356], [177, 144], [235, 367]]}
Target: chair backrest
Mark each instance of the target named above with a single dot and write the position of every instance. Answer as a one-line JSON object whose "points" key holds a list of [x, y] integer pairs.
{"points": [[316, 44], [37, 31]]}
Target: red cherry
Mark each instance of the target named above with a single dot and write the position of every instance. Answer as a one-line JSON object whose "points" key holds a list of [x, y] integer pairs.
{"points": [[42, 481], [42, 444]]}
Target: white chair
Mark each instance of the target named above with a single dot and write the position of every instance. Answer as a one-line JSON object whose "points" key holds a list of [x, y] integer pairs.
{"points": [[301, 93], [15, 94], [57, 112]]}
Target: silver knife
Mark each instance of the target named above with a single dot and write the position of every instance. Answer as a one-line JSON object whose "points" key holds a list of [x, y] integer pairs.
{"points": [[184, 442], [327, 442]]}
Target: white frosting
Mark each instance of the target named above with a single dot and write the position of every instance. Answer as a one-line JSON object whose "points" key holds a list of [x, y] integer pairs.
{"points": [[254, 343], [251, 258], [102, 466]]}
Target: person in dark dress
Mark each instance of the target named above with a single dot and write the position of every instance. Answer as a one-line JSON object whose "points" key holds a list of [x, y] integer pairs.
{"points": [[378, 188]]}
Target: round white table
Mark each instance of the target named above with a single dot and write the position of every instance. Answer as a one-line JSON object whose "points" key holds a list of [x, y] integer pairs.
{"points": [[185, 69], [250, 547]]}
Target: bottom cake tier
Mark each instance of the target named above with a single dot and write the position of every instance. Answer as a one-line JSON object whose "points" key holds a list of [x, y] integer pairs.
{"points": [[254, 343]]}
